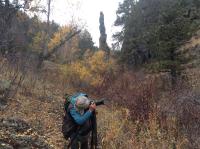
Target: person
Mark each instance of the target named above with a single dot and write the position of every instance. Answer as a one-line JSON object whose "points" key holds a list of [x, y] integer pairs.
{"points": [[80, 110]]}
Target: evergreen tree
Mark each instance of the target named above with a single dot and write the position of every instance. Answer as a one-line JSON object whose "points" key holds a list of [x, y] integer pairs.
{"points": [[153, 31], [85, 41]]}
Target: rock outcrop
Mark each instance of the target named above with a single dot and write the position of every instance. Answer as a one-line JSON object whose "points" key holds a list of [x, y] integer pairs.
{"points": [[103, 36]]}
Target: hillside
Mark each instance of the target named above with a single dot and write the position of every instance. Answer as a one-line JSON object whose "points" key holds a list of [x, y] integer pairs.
{"points": [[149, 77], [155, 122]]}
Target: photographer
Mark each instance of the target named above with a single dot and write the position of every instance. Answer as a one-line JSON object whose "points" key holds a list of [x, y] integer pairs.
{"points": [[77, 120]]}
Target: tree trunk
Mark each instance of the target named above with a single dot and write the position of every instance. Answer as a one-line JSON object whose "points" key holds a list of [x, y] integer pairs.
{"points": [[173, 76], [173, 68], [46, 38]]}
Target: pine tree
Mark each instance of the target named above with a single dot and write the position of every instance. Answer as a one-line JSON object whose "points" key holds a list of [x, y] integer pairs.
{"points": [[153, 31]]}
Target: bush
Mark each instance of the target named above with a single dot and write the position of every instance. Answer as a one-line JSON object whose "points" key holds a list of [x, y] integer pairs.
{"points": [[88, 73], [136, 92]]}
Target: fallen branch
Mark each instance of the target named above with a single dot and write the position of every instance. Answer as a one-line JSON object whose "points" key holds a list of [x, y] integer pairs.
{"points": [[49, 54]]}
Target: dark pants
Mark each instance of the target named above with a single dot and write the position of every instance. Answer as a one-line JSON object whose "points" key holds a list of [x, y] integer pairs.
{"points": [[82, 139]]}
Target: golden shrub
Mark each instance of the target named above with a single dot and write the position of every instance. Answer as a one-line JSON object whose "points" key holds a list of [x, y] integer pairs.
{"points": [[58, 37], [89, 70]]}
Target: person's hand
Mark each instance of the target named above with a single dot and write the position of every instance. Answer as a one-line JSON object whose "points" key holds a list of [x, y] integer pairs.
{"points": [[92, 107]]}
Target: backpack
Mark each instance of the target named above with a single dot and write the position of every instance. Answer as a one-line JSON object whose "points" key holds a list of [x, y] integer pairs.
{"points": [[67, 101], [69, 126]]}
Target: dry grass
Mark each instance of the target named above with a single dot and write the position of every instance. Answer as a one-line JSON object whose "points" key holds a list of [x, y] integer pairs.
{"points": [[117, 131], [45, 117], [140, 116], [115, 127]]}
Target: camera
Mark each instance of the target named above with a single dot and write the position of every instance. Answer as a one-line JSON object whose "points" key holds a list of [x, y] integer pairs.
{"points": [[97, 102]]}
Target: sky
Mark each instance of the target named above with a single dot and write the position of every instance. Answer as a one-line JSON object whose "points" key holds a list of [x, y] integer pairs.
{"points": [[86, 13]]}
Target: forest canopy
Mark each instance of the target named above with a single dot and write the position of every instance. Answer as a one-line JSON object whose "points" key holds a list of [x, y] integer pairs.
{"points": [[153, 31]]}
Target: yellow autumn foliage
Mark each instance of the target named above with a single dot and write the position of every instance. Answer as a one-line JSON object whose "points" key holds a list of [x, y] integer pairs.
{"points": [[97, 63], [69, 50], [90, 70], [78, 68], [58, 37]]}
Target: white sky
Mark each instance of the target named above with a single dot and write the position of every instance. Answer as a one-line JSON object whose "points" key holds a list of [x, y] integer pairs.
{"points": [[86, 13]]}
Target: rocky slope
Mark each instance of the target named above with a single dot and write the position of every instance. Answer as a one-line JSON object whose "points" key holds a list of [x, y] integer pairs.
{"points": [[17, 134]]}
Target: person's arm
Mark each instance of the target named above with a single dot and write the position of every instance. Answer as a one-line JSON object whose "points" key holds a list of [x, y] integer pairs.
{"points": [[78, 118], [81, 119]]}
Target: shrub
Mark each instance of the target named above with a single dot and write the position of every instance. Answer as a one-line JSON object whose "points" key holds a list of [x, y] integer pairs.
{"points": [[87, 73]]}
